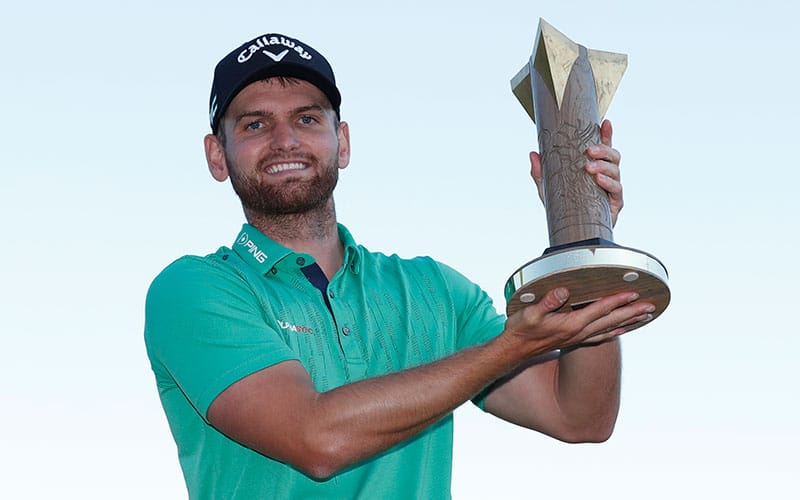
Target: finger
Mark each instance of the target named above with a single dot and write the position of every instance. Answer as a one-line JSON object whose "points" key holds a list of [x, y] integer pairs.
{"points": [[604, 152], [620, 318], [621, 328], [536, 172], [606, 131], [642, 318], [553, 299], [608, 310], [606, 168], [536, 313], [611, 186], [536, 166], [600, 321], [607, 176]]}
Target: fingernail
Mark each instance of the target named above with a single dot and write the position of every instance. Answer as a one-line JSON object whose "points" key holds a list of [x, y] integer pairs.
{"points": [[633, 297], [651, 308], [562, 294]]}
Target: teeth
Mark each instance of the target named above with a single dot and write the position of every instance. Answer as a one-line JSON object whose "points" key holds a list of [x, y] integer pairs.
{"points": [[285, 166]]}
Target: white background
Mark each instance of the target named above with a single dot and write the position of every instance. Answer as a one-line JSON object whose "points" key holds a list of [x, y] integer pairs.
{"points": [[104, 183]]}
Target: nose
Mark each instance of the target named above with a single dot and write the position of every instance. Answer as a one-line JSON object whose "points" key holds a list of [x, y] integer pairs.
{"points": [[284, 137]]}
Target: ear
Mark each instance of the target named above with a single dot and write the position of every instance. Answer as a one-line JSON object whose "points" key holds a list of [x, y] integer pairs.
{"points": [[215, 157], [344, 144]]}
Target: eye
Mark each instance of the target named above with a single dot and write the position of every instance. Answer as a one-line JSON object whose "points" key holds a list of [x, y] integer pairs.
{"points": [[254, 125], [307, 119]]}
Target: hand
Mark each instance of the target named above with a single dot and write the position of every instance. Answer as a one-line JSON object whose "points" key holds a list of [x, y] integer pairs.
{"points": [[602, 320], [603, 165]]}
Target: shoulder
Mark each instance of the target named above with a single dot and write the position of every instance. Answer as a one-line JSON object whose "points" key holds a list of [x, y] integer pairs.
{"points": [[186, 267], [192, 294], [380, 259], [418, 266], [422, 268], [193, 286], [192, 271]]}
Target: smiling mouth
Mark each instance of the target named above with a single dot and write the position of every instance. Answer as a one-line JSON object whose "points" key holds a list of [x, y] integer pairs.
{"points": [[282, 167]]}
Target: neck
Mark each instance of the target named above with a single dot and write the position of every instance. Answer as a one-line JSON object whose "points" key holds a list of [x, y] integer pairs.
{"points": [[314, 232]]}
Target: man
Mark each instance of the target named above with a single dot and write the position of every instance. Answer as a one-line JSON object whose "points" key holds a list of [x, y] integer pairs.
{"points": [[297, 364]]}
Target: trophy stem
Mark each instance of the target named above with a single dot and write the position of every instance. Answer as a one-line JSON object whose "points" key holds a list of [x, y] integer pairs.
{"points": [[577, 208]]}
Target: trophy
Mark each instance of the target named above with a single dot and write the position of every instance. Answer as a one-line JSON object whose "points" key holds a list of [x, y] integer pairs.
{"points": [[566, 89]]}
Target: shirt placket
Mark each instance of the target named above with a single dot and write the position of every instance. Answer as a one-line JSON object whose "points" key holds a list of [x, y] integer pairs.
{"points": [[342, 304]]}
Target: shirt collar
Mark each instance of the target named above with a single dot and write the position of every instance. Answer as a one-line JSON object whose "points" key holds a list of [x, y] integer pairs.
{"points": [[352, 254], [257, 249], [263, 253]]}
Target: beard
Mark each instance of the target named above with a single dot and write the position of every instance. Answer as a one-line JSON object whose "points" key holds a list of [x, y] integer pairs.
{"points": [[292, 196]]}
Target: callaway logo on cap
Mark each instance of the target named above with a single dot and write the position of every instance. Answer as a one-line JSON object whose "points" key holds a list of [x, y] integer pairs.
{"points": [[263, 57]]}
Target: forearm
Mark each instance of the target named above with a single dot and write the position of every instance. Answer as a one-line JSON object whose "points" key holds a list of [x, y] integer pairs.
{"points": [[572, 396], [588, 388], [361, 419], [279, 413]]}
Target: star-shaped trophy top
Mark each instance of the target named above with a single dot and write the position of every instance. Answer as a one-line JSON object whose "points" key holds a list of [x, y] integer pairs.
{"points": [[553, 57]]}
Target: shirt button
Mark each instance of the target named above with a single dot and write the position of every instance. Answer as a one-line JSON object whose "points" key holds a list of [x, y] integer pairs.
{"points": [[330, 294], [346, 330], [301, 261]]}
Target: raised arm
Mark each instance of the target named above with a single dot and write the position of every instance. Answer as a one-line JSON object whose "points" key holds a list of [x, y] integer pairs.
{"points": [[572, 395]]}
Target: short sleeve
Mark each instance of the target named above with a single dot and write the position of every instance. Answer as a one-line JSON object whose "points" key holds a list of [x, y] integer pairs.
{"points": [[476, 316], [205, 329], [478, 320]]}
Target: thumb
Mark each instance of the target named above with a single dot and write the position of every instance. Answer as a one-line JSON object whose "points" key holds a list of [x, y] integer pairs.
{"points": [[554, 299], [536, 172]]}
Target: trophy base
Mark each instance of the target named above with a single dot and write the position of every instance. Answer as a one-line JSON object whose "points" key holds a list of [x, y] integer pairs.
{"points": [[590, 273]]}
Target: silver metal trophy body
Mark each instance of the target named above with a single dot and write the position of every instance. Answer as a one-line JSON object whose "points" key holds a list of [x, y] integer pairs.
{"points": [[566, 89]]}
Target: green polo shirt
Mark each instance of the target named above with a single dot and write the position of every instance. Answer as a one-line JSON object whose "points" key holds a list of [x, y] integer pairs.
{"points": [[213, 320]]}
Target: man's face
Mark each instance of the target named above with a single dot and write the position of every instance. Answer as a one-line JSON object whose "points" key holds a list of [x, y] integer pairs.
{"points": [[283, 147]]}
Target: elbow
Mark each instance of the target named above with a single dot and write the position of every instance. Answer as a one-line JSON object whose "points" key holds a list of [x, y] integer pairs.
{"points": [[597, 431], [324, 456], [585, 437], [320, 468], [592, 436], [318, 471]]}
